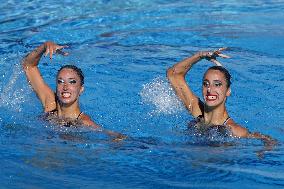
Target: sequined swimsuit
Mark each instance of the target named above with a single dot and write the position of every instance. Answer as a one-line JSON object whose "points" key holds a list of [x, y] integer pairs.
{"points": [[52, 115], [200, 127]]}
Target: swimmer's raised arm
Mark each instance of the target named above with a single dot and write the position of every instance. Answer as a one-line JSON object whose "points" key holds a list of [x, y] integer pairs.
{"points": [[30, 63], [177, 73]]}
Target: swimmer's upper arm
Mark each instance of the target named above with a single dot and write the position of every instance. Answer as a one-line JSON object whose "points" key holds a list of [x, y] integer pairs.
{"points": [[43, 91], [240, 131], [183, 91], [237, 130]]}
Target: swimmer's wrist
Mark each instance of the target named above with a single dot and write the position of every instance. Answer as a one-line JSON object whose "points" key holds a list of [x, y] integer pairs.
{"points": [[201, 55], [33, 57]]}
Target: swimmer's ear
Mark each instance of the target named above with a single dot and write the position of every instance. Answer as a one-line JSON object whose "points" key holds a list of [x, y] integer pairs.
{"points": [[228, 93], [82, 89]]}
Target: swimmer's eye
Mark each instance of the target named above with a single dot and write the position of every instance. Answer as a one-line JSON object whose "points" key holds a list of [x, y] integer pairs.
{"points": [[60, 81], [205, 83], [73, 81], [218, 84]]}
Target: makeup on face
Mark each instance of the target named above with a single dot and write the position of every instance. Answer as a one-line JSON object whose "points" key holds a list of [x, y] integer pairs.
{"points": [[216, 83], [70, 81]]}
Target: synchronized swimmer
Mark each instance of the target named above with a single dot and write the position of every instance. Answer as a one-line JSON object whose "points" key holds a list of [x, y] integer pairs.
{"points": [[215, 89], [62, 107]]}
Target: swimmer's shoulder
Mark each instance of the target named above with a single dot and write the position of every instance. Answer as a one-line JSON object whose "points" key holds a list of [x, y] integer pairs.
{"points": [[236, 129], [88, 121]]}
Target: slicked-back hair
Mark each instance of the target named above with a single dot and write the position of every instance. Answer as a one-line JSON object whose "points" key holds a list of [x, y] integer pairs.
{"points": [[76, 69], [224, 71]]}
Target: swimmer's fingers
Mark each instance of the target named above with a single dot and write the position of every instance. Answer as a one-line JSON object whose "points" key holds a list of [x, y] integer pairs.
{"points": [[220, 54], [46, 52], [219, 51], [58, 51], [223, 49], [223, 55], [119, 138], [116, 137], [216, 62], [51, 48]]}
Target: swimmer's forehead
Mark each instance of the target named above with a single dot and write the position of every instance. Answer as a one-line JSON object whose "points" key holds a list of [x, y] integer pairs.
{"points": [[214, 75], [68, 73]]}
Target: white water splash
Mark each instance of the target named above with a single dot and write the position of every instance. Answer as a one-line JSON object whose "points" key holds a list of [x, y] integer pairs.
{"points": [[159, 93], [12, 95]]}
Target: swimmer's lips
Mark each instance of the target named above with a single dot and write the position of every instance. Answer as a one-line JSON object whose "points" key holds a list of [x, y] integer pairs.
{"points": [[211, 97]]}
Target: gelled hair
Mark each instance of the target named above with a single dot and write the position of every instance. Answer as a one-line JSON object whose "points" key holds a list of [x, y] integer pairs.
{"points": [[76, 69], [224, 71]]}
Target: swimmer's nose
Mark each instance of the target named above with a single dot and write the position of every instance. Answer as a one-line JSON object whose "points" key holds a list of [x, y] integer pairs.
{"points": [[208, 89], [65, 87]]}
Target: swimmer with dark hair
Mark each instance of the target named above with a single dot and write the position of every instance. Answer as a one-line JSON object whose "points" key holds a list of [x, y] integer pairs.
{"points": [[60, 107], [215, 89]]}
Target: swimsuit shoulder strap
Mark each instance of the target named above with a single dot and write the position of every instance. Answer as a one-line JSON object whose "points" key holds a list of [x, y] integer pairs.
{"points": [[52, 111], [225, 122], [79, 115]]}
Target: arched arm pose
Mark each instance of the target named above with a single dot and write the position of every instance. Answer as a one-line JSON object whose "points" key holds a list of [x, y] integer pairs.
{"points": [[64, 103], [215, 90]]}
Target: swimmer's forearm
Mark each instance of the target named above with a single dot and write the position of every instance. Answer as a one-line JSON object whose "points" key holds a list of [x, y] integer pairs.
{"points": [[32, 59], [265, 138], [184, 66]]}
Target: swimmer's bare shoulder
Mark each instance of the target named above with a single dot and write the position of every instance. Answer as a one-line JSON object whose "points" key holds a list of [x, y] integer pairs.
{"points": [[88, 121], [237, 130]]}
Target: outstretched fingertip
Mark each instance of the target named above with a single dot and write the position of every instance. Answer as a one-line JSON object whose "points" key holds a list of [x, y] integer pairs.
{"points": [[58, 51], [223, 55], [223, 48], [216, 62]]}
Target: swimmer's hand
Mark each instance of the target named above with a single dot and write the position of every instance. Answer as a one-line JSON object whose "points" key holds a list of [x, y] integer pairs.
{"points": [[267, 140], [116, 137], [52, 48], [119, 138], [269, 143], [212, 55]]}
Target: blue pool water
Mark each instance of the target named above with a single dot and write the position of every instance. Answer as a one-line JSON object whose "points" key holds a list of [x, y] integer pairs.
{"points": [[124, 48]]}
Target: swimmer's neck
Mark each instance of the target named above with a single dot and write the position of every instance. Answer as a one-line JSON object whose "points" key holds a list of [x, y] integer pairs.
{"points": [[216, 116], [72, 111]]}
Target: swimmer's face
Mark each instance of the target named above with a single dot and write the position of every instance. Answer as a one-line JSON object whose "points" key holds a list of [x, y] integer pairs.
{"points": [[68, 87], [214, 88]]}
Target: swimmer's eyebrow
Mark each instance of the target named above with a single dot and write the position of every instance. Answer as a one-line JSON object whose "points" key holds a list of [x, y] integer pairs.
{"points": [[217, 80], [70, 78]]}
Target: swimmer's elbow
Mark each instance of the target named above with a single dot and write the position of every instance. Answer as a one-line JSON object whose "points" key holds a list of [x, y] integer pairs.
{"points": [[174, 76], [170, 72]]}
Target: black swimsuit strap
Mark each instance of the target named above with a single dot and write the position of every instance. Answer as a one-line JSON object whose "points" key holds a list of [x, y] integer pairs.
{"points": [[202, 117], [79, 115], [225, 122], [52, 111]]}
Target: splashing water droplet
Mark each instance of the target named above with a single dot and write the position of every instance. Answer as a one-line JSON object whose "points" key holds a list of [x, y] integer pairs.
{"points": [[12, 95], [159, 93]]}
